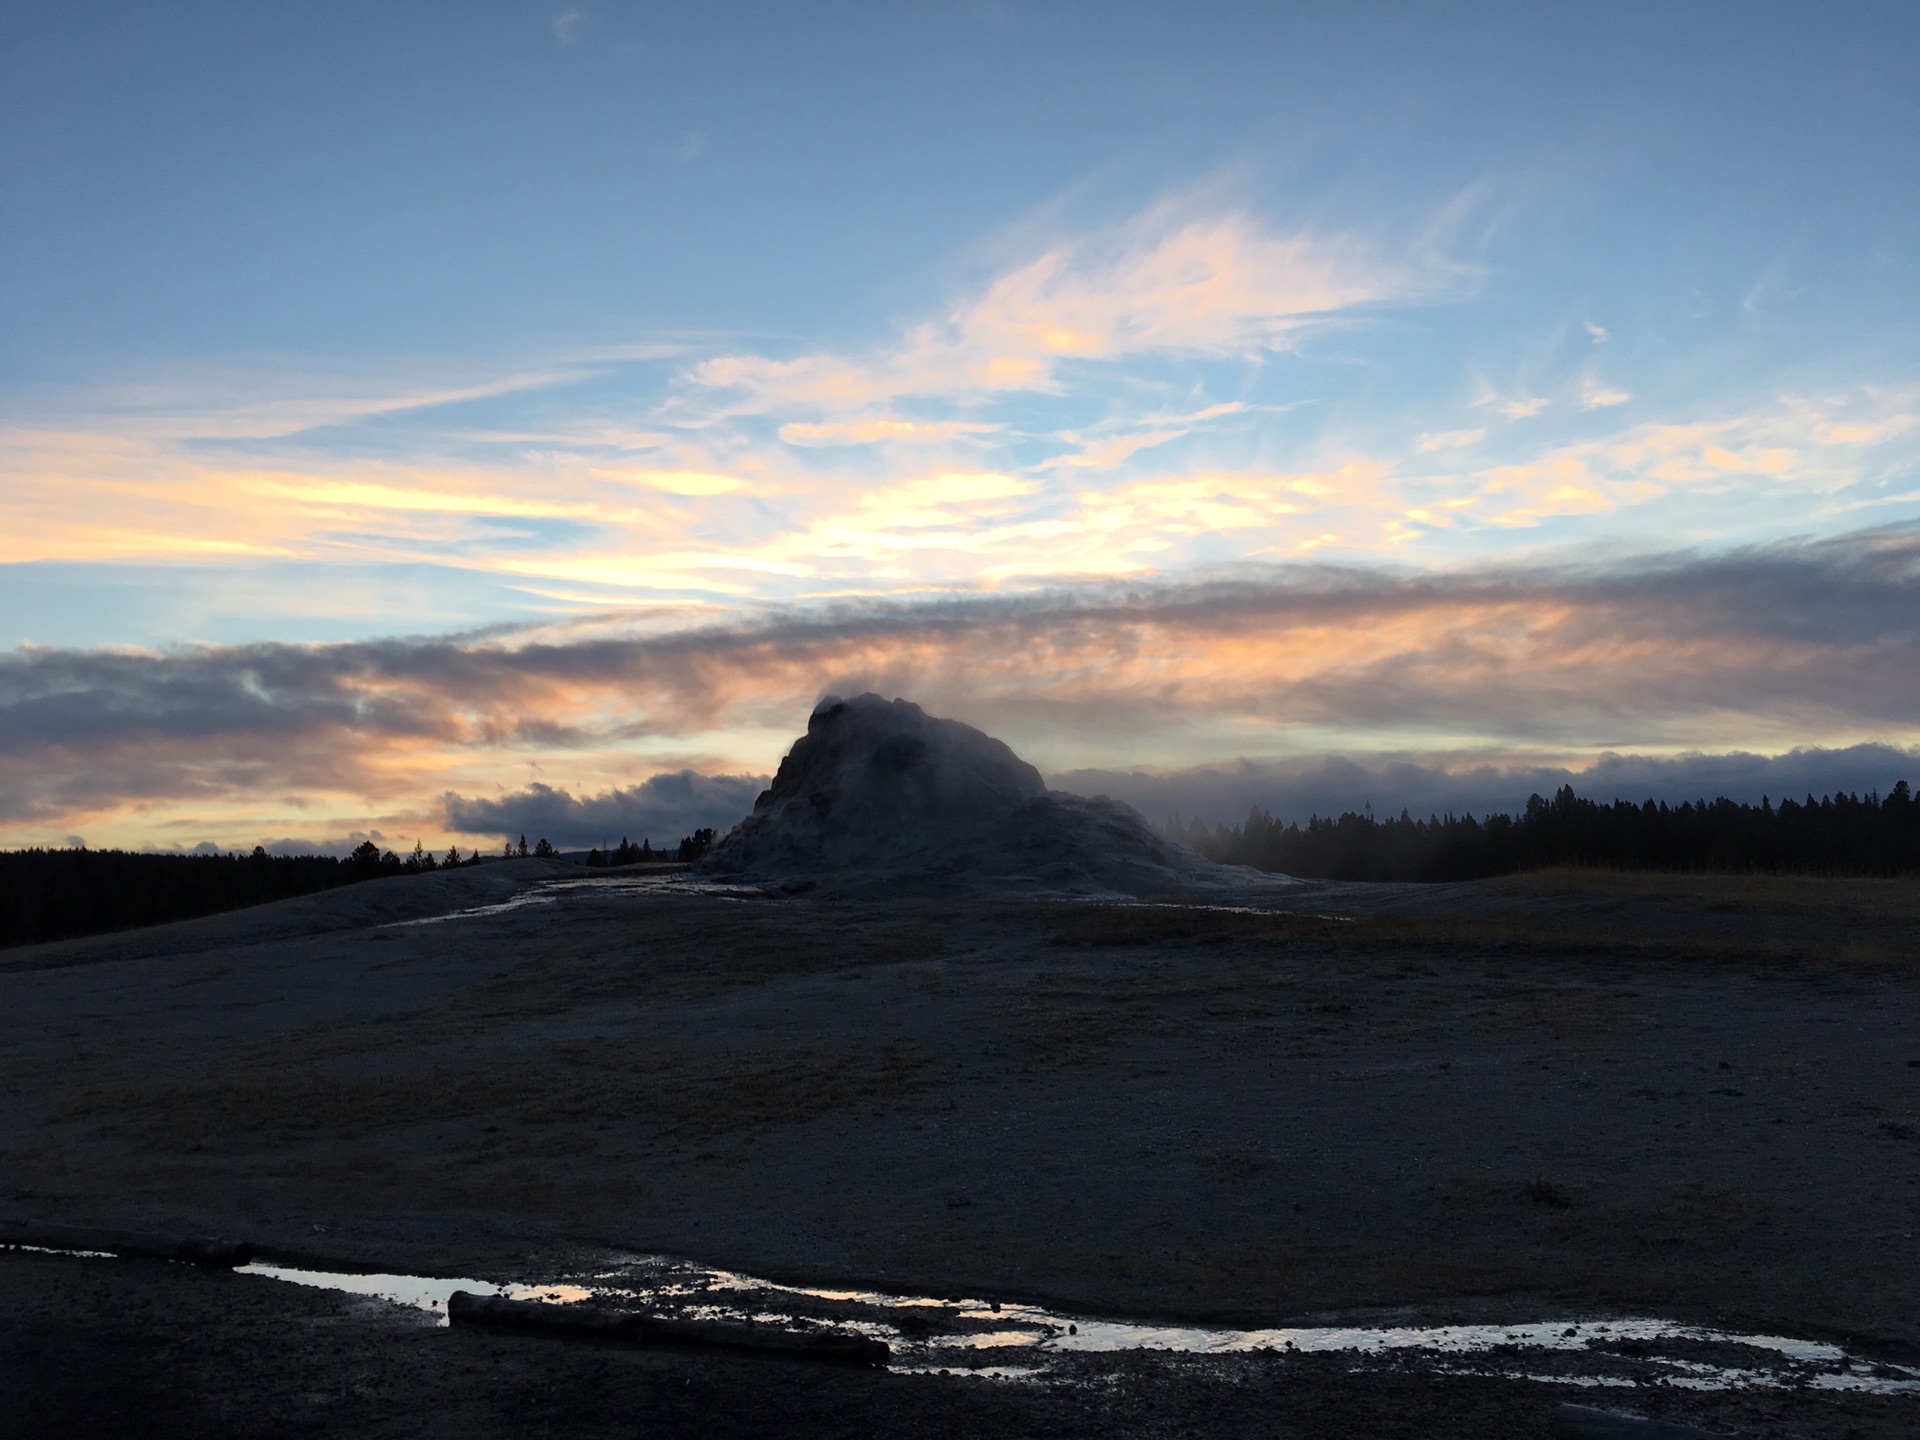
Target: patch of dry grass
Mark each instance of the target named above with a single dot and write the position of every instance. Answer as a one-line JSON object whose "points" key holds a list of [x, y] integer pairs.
{"points": [[1555, 1013], [1104, 926], [689, 956], [1896, 898], [272, 1107], [1117, 926], [268, 1107]]}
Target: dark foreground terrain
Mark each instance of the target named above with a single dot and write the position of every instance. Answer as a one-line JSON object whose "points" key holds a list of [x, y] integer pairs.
{"points": [[134, 1350], [1562, 1095]]}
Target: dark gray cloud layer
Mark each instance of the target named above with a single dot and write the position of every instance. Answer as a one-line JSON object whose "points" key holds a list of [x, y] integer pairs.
{"points": [[662, 809], [1811, 642], [1331, 785]]}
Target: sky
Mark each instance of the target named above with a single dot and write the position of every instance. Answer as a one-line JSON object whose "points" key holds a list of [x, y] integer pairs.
{"points": [[433, 421]]}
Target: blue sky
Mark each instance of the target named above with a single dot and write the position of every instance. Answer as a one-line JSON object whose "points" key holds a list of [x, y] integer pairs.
{"points": [[325, 324]]}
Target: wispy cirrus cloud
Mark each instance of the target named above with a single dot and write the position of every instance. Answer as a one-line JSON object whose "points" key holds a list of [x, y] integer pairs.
{"points": [[1810, 446], [1598, 395], [1165, 283], [1514, 405], [634, 509], [653, 513], [277, 399], [1450, 439], [878, 429]]}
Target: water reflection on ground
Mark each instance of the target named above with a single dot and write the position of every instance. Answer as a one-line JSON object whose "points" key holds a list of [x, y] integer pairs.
{"points": [[677, 883], [682, 882], [981, 1338], [422, 1292]]}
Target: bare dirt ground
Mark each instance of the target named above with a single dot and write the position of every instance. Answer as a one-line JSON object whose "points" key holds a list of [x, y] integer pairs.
{"points": [[1564, 1094]]}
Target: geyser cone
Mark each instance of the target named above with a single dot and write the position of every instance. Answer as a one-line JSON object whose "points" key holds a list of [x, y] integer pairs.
{"points": [[878, 791], [874, 779]]}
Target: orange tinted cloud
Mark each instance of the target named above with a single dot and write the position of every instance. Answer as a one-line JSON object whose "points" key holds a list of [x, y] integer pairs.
{"points": [[629, 512], [880, 429], [1162, 284]]}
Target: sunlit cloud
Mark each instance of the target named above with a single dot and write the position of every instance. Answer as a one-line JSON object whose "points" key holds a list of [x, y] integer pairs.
{"points": [[880, 429], [1871, 433], [1517, 406], [1450, 440], [674, 482], [1148, 512], [1106, 452], [1595, 395], [1788, 445], [1162, 284], [1114, 443], [743, 524]]}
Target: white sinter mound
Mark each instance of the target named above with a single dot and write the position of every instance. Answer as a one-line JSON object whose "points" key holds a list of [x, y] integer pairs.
{"points": [[878, 793]]}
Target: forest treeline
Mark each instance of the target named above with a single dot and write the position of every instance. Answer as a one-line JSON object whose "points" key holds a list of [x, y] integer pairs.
{"points": [[59, 894], [691, 848], [1841, 834]]}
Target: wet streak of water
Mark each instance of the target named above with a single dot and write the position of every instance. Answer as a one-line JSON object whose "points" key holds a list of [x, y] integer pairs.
{"points": [[421, 1292], [597, 886], [681, 883], [928, 1335]]}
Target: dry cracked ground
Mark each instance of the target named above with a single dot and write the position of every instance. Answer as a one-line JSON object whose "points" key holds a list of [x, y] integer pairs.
{"points": [[1557, 1095]]}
